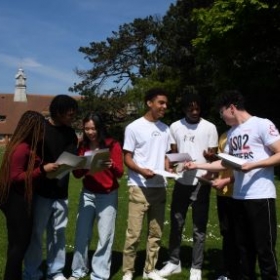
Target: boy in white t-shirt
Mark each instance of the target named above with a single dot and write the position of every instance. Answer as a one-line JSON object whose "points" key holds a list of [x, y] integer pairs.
{"points": [[146, 142], [258, 141]]}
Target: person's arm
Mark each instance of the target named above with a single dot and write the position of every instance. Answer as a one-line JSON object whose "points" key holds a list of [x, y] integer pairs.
{"points": [[270, 161], [116, 160], [214, 166], [129, 162], [220, 183], [19, 161], [169, 166]]}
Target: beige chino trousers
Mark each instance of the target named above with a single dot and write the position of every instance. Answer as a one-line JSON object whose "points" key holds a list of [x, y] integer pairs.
{"points": [[150, 202]]}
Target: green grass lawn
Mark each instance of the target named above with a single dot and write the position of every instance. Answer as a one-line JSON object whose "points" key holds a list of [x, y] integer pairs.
{"points": [[212, 261]]}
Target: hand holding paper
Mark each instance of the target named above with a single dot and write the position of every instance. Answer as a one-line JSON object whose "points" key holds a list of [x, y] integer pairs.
{"points": [[93, 160], [231, 161]]}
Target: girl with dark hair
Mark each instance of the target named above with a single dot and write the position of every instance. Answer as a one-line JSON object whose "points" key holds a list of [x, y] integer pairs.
{"points": [[98, 200], [20, 171]]}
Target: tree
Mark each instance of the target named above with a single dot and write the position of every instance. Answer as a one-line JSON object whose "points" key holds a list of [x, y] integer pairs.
{"points": [[239, 40], [129, 54], [147, 52]]}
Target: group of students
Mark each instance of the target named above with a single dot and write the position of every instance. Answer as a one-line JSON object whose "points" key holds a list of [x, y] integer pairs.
{"points": [[33, 203], [246, 196]]}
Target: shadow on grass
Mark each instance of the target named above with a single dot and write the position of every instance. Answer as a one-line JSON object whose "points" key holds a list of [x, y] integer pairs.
{"points": [[212, 262]]}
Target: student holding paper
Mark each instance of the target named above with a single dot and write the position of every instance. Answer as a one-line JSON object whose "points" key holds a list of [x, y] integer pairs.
{"points": [[146, 142], [257, 140], [196, 136], [98, 201], [51, 197], [21, 170]]}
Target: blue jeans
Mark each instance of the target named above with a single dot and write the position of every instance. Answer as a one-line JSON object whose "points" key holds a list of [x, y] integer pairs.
{"points": [[103, 208], [49, 214]]}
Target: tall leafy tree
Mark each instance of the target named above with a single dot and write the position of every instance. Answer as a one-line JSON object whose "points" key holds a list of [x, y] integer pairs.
{"points": [[129, 54], [178, 56], [239, 40]]}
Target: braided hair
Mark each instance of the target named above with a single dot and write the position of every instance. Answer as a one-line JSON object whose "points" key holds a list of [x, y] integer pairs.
{"points": [[30, 129]]}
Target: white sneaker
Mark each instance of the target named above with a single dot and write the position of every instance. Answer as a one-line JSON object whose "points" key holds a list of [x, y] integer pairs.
{"points": [[154, 275], [195, 274], [169, 269], [222, 277], [59, 277], [73, 278], [127, 276]]}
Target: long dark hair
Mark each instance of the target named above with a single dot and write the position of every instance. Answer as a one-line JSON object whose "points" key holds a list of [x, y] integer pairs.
{"points": [[100, 127], [30, 129]]}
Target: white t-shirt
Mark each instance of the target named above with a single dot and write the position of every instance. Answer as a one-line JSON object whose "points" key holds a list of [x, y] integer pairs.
{"points": [[250, 140], [149, 142], [193, 139]]}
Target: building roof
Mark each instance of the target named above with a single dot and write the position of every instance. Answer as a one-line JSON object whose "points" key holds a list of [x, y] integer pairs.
{"points": [[11, 111]]}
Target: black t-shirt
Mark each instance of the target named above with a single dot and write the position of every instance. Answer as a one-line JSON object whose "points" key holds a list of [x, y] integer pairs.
{"points": [[57, 140]]}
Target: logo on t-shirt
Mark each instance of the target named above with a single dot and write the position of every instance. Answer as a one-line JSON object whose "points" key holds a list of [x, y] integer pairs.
{"points": [[273, 131], [239, 146], [155, 134]]}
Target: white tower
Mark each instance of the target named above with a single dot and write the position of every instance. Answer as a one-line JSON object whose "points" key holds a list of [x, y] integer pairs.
{"points": [[20, 89]]}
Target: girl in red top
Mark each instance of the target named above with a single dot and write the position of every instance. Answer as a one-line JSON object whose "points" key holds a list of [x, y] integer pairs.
{"points": [[98, 200], [20, 172]]}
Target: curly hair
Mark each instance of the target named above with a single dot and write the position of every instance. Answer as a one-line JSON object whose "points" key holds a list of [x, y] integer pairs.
{"points": [[30, 129]]}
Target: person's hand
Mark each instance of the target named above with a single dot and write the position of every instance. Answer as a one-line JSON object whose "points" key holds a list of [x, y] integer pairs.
{"points": [[210, 156], [147, 173], [190, 165], [107, 163], [49, 167], [220, 183], [247, 167]]}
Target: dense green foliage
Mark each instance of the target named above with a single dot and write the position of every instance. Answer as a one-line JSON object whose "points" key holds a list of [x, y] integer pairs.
{"points": [[240, 42]]}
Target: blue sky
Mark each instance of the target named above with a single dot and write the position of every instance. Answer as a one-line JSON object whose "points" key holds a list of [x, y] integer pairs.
{"points": [[43, 37]]}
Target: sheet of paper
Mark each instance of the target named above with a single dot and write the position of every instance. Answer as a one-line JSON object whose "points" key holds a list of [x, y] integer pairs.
{"points": [[67, 162], [69, 159], [62, 170], [98, 158], [232, 161], [166, 174], [179, 157]]}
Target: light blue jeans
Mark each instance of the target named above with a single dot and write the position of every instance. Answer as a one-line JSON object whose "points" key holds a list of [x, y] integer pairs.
{"points": [[50, 215], [103, 208]]}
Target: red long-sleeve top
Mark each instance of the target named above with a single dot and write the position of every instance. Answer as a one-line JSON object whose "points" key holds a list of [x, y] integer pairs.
{"points": [[19, 162], [106, 180]]}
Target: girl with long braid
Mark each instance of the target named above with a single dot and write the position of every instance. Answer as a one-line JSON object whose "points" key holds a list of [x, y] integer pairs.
{"points": [[20, 171]]}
